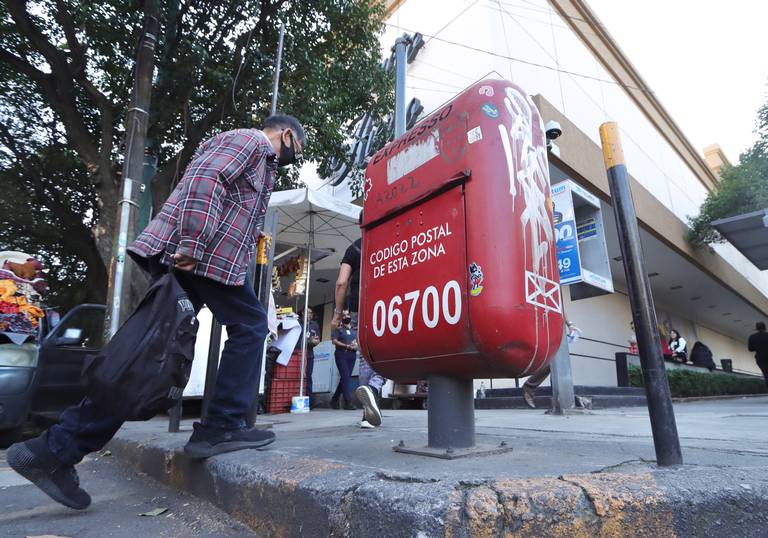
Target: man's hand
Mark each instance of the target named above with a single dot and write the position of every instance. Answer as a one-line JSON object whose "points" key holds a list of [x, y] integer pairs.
{"points": [[183, 262], [336, 321]]}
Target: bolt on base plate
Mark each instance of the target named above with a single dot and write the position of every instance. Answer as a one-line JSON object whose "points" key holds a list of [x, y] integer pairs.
{"points": [[454, 453]]}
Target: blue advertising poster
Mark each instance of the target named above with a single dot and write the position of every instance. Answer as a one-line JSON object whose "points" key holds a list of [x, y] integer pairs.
{"points": [[568, 252], [568, 261]]}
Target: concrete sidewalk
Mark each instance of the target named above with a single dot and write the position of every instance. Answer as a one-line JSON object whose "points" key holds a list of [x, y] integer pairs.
{"points": [[582, 475]]}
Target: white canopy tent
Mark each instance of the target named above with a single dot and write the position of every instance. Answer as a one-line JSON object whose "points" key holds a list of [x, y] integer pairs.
{"points": [[310, 220]]}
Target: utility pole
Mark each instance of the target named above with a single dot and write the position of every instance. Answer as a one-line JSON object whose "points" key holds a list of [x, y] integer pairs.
{"points": [[136, 123], [401, 64], [278, 62]]}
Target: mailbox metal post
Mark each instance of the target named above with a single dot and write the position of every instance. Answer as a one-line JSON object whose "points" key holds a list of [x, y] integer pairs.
{"points": [[662, 415], [451, 413], [563, 397]]}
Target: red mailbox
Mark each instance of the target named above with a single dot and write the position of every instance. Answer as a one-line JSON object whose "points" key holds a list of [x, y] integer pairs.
{"points": [[459, 274]]}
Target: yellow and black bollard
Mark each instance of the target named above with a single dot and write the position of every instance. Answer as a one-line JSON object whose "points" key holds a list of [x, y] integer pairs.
{"points": [[663, 425]]}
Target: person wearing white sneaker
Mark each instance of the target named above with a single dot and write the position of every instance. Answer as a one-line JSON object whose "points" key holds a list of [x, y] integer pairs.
{"points": [[371, 412], [348, 297]]}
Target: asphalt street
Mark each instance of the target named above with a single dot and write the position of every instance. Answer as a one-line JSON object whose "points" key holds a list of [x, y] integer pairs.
{"points": [[120, 497]]}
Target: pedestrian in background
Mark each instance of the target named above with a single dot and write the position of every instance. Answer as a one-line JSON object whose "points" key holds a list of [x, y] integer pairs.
{"points": [[348, 293], [534, 381], [344, 338], [632, 340], [758, 342], [678, 347]]}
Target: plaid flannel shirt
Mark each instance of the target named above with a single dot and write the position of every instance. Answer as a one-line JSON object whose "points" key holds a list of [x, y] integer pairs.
{"points": [[217, 210]]}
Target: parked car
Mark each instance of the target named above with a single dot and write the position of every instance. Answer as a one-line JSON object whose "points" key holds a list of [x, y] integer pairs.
{"points": [[42, 375]]}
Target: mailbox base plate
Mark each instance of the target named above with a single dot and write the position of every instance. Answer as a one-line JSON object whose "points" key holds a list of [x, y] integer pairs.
{"points": [[454, 453]]}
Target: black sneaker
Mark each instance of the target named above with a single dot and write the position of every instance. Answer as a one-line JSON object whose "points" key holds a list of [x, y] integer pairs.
{"points": [[371, 413], [350, 407], [334, 404], [207, 441], [34, 461]]}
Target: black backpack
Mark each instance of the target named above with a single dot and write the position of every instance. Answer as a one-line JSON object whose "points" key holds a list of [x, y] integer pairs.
{"points": [[146, 365]]}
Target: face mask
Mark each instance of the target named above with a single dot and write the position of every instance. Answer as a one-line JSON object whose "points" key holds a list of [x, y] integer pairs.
{"points": [[287, 153], [347, 320]]}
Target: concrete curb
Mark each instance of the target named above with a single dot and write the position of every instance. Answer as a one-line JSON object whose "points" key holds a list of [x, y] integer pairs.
{"points": [[278, 494]]}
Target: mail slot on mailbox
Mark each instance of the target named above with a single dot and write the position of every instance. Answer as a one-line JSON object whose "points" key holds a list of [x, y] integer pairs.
{"points": [[459, 275]]}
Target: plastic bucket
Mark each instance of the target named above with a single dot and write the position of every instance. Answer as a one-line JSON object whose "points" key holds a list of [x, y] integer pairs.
{"points": [[300, 404]]}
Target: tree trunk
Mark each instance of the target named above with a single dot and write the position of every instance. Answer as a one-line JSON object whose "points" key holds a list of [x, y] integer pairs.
{"points": [[104, 230]]}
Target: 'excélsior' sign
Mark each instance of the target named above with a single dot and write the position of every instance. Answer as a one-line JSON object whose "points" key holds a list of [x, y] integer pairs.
{"points": [[369, 134]]}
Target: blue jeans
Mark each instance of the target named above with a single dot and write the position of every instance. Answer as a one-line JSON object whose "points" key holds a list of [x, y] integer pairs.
{"points": [[85, 428], [345, 362], [368, 375]]}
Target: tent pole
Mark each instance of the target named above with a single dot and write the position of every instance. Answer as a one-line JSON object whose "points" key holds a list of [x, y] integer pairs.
{"points": [[306, 307]]}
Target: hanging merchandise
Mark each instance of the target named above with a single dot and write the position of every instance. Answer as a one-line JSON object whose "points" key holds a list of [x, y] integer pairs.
{"points": [[21, 283], [292, 290], [7, 289], [301, 275], [22, 269], [290, 266], [276, 286]]}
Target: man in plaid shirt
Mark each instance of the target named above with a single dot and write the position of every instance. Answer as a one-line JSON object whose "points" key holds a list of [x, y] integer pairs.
{"points": [[207, 229]]}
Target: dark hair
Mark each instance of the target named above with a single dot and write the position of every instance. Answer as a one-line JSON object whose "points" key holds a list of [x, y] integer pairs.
{"points": [[673, 331], [760, 326], [284, 121]]}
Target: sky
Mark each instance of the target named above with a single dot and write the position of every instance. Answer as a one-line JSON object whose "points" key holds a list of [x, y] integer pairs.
{"points": [[706, 61]]}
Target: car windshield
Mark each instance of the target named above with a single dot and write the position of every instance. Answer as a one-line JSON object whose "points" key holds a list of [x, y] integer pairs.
{"points": [[18, 355]]}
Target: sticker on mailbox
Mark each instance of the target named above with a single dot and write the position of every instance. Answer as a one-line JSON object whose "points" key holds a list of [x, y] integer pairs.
{"points": [[490, 110], [474, 135], [476, 279]]}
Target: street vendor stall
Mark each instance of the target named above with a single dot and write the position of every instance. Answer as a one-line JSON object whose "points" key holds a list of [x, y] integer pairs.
{"points": [[318, 228]]}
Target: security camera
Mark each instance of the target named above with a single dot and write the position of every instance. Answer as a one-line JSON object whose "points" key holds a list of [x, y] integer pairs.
{"points": [[553, 130]]}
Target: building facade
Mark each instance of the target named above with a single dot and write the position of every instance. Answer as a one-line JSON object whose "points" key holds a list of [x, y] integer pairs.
{"points": [[561, 54]]}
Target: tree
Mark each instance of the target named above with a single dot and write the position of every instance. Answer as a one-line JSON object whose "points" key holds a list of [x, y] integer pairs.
{"points": [[743, 188], [66, 78]]}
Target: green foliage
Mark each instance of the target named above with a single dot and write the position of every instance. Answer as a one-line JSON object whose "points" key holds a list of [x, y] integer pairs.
{"points": [[743, 188], [65, 80], [686, 383]]}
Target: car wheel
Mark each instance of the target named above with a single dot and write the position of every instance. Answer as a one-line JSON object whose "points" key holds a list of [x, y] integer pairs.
{"points": [[8, 437]]}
